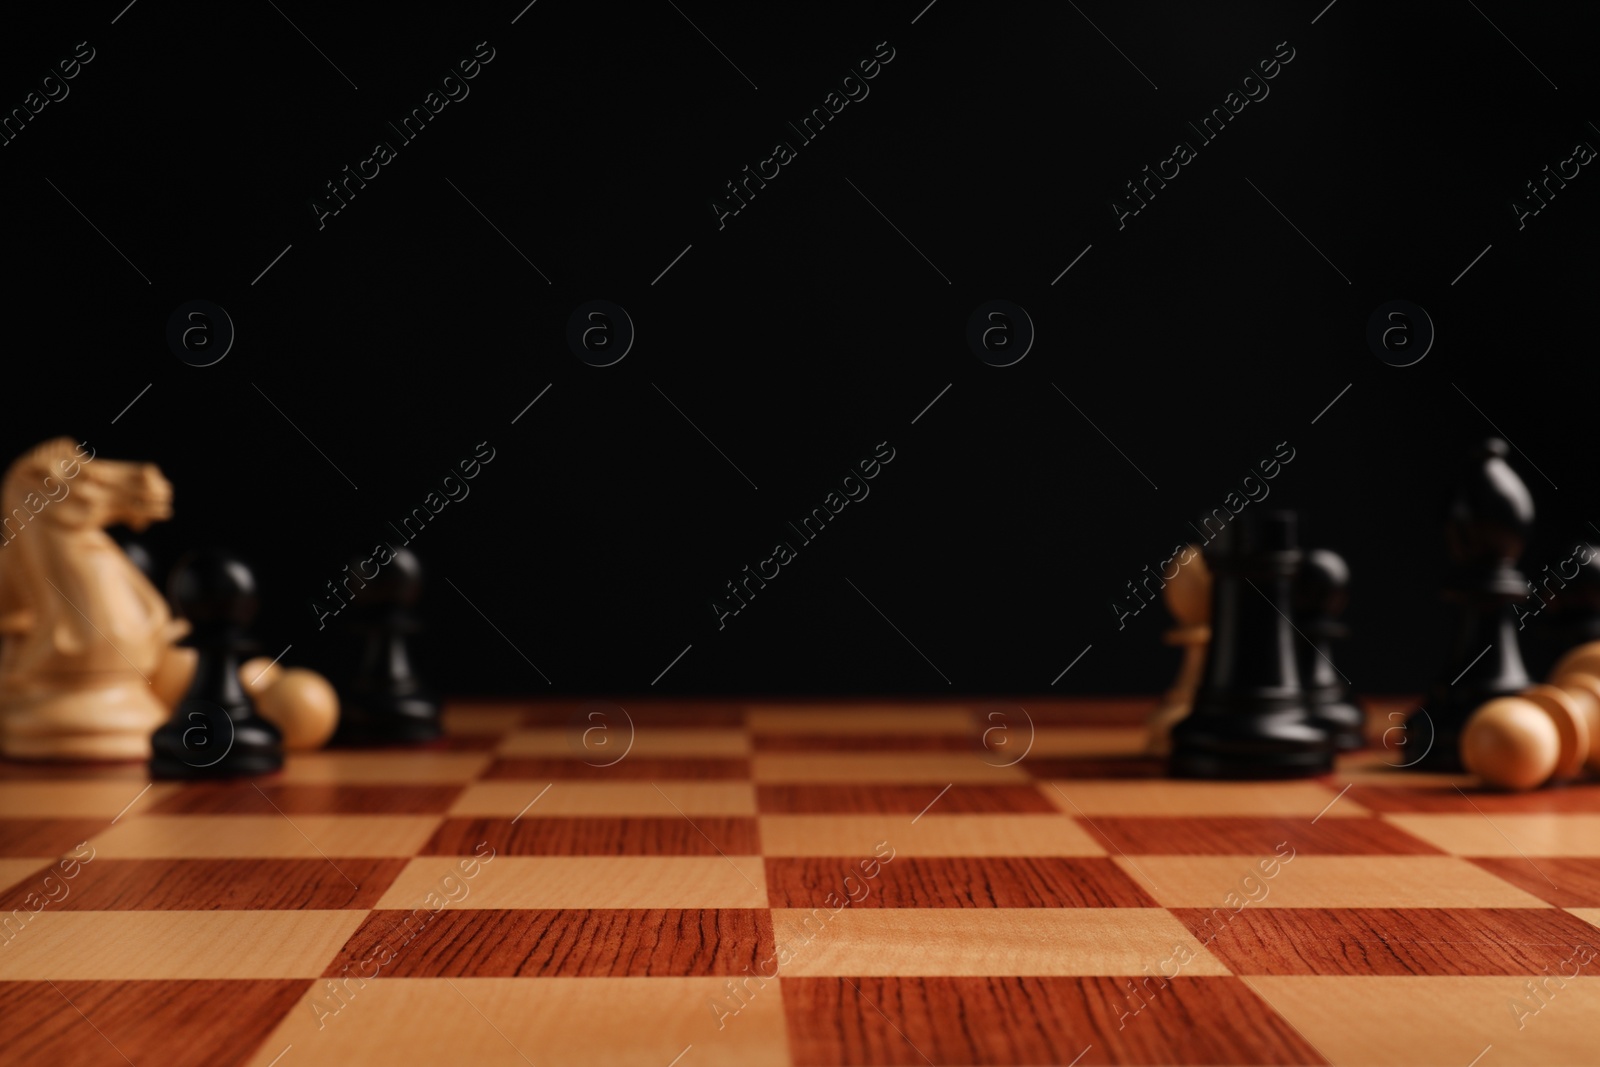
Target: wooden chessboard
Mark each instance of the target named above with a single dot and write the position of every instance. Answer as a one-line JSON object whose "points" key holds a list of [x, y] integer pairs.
{"points": [[922, 895]]}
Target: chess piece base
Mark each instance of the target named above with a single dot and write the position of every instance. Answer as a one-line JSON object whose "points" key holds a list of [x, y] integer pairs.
{"points": [[1272, 744], [203, 740], [1344, 721], [111, 720]]}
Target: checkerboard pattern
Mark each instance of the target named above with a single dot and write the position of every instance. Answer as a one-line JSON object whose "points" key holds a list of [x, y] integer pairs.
{"points": [[810, 885]]}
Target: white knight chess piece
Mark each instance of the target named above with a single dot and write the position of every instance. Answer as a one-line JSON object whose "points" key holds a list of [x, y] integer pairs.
{"points": [[87, 640]]}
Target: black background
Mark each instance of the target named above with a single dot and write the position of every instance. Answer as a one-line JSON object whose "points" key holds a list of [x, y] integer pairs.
{"points": [[407, 330]]}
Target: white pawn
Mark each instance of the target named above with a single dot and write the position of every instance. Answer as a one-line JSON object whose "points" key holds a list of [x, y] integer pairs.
{"points": [[1571, 720], [1578, 673], [1188, 598], [1511, 743], [300, 703], [1585, 691]]}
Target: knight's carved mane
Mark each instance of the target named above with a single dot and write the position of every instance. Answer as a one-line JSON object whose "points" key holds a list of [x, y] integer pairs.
{"points": [[25, 475]]}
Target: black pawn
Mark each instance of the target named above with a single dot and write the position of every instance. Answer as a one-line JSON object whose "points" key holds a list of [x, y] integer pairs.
{"points": [[1251, 717], [385, 703], [215, 732], [1321, 591], [1487, 526]]}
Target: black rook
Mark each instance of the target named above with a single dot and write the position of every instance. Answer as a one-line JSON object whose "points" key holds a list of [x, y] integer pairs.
{"points": [[1251, 717]]}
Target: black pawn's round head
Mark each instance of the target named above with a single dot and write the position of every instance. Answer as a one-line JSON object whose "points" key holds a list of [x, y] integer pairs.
{"points": [[1322, 584], [214, 589], [396, 587]]}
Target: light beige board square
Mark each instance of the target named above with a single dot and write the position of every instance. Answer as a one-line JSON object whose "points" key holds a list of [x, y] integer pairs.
{"points": [[1442, 1020], [1326, 882], [507, 799], [133, 945], [115, 798], [882, 768], [931, 835], [1055, 742], [477, 722], [405, 768], [984, 941], [551, 1022], [1261, 799], [1588, 915], [861, 719], [13, 871], [295, 836], [1410, 779], [596, 882], [1380, 766], [1501, 834], [604, 747]]}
